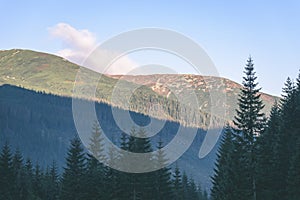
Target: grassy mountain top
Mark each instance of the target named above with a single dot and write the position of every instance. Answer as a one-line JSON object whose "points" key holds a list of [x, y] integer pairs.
{"points": [[52, 74]]}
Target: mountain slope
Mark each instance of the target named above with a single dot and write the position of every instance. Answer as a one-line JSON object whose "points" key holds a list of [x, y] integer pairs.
{"points": [[45, 72], [55, 75], [41, 126]]}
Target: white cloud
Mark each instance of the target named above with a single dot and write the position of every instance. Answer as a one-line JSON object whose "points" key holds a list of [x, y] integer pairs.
{"points": [[78, 44], [79, 39]]}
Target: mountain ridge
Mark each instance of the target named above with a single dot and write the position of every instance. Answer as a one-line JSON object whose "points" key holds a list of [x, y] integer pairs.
{"points": [[52, 74]]}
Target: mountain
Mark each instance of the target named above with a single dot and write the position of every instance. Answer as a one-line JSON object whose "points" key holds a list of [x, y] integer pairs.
{"points": [[52, 74], [36, 106]]}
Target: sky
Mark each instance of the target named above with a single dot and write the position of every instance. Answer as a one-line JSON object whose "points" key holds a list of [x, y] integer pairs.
{"points": [[228, 31]]}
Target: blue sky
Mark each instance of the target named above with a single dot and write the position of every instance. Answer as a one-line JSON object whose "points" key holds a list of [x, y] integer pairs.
{"points": [[229, 31]]}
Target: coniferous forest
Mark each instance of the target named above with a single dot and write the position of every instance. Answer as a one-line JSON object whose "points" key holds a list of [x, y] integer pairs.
{"points": [[84, 177], [259, 158]]}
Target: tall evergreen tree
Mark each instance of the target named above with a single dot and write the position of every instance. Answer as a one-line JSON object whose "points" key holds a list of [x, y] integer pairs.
{"points": [[192, 190], [96, 146], [142, 183], [287, 90], [37, 183], [185, 186], [177, 184], [18, 167], [6, 173], [268, 145], [225, 169], [51, 182], [162, 184], [28, 180], [112, 182], [95, 169], [73, 175], [291, 110], [288, 135], [125, 178], [250, 121]]}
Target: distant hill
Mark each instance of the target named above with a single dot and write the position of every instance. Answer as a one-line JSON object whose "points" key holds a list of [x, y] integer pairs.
{"points": [[52, 74]]}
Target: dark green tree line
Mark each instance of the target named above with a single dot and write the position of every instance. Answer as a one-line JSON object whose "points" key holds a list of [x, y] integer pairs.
{"points": [[85, 177]]}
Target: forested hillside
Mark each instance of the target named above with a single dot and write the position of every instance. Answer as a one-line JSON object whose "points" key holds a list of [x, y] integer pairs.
{"points": [[41, 125]]}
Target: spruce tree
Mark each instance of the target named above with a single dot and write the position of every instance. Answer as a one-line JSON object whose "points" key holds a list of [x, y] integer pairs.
{"points": [[289, 134], [18, 167], [292, 131], [37, 183], [287, 90], [249, 119], [17, 161], [6, 173], [28, 179], [177, 184], [269, 156], [73, 175], [224, 172], [112, 175], [185, 186], [51, 182], [96, 146], [278, 148], [95, 169], [192, 190], [162, 184], [250, 122], [141, 183], [124, 178]]}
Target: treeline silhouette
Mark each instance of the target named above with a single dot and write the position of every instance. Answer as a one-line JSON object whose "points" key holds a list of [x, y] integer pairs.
{"points": [[84, 177], [259, 158]]}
